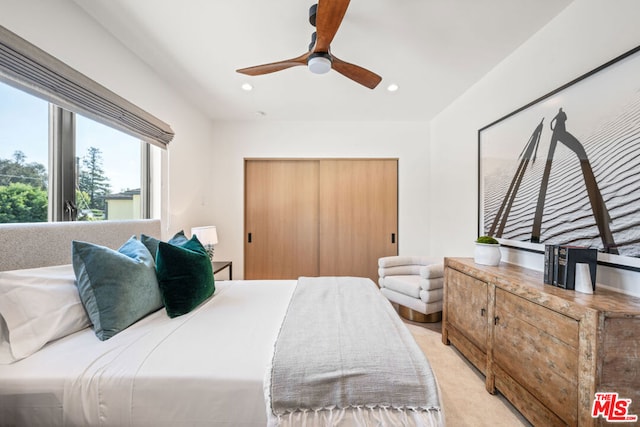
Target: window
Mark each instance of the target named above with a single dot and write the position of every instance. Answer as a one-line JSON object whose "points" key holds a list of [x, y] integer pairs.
{"points": [[104, 173], [23, 156], [106, 159], [108, 172]]}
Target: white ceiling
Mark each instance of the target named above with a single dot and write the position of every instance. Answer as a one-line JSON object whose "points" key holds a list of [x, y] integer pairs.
{"points": [[433, 49]]}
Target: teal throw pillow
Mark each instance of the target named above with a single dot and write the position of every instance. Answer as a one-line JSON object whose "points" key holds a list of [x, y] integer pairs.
{"points": [[152, 243], [185, 276], [117, 288]]}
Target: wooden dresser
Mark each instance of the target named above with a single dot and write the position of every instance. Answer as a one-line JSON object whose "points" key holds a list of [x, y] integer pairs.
{"points": [[546, 349]]}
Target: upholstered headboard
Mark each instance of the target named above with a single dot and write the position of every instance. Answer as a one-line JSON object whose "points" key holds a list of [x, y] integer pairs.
{"points": [[49, 243]]}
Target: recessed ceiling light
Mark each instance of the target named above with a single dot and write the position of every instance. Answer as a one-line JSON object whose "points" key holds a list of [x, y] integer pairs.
{"points": [[392, 87], [247, 87]]}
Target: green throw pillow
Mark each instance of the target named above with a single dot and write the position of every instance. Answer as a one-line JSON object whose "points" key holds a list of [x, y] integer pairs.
{"points": [[185, 276], [152, 243], [117, 288]]}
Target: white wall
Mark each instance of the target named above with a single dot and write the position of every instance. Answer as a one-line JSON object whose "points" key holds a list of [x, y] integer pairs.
{"points": [[62, 29], [585, 35], [235, 141]]}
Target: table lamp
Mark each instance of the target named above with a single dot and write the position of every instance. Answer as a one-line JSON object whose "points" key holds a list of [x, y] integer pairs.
{"points": [[208, 236]]}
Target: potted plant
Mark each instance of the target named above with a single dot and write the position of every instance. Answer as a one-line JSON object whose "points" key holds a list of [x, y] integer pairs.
{"points": [[487, 251]]}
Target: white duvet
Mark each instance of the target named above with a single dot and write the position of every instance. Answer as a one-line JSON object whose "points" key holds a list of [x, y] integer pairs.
{"points": [[204, 368]]}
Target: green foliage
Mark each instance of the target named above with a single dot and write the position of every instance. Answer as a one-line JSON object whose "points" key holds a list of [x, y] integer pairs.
{"points": [[21, 202], [487, 240], [93, 181], [82, 203], [16, 170], [23, 189]]}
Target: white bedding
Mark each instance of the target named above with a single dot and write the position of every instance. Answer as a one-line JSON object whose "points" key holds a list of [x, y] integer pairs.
{"points": [[219, 383]]}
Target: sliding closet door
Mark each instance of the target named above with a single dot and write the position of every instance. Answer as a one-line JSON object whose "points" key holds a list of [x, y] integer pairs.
{"points": [[358, 215], [281, 219]]}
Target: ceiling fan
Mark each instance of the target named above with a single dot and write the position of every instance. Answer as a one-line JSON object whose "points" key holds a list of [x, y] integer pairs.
{"points": [[326, 16]]}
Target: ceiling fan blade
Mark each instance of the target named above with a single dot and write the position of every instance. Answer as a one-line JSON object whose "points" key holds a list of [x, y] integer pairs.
{"points": [[356, 73], [328, 19], [275, 66]]}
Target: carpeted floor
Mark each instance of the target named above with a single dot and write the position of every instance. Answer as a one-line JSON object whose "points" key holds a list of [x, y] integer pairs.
{"points": [[464, 397]]}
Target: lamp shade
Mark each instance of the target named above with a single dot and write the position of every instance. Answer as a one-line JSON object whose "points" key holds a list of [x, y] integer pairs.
{"points": [[207, 235]]}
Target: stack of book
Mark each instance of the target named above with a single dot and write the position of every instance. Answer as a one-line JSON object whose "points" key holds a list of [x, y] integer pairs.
{"points": [[560, 264]]}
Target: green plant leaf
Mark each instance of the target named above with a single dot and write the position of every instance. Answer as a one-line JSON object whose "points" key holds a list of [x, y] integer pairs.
{"points": [[488, 240]]}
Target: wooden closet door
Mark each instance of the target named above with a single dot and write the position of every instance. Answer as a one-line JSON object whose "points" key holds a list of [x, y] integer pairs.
{"points": [[358, 215], [281, 216]]}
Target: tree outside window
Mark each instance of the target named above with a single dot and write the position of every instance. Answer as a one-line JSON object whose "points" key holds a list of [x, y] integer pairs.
{"points": [[23, 190], [93, 186]]}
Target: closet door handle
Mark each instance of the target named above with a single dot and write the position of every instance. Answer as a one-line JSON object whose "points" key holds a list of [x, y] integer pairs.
{"points": [[249, 238], [482, 310], [393, 237], [496, 320]]}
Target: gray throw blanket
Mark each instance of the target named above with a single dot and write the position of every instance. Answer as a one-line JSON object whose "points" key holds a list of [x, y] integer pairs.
{"points": [[342, 345]]}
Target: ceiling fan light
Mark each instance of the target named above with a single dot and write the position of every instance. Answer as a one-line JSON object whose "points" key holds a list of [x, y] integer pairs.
{"points": [[319, 63]]}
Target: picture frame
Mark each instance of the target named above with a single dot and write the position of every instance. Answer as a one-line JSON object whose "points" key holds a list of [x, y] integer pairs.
{"points": [[564, 169]]}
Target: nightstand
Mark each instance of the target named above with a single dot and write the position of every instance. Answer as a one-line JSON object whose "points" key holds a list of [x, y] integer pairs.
{"points": [[221, 265]]}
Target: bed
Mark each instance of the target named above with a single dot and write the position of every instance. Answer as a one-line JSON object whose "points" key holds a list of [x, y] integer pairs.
{"points": [[254, 353]]}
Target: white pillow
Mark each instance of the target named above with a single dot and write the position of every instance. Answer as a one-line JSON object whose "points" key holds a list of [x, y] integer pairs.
{"points": [[37, 305]]}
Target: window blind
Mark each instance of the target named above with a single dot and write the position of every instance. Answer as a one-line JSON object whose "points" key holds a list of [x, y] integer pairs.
{"points": [[33, 70]]}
